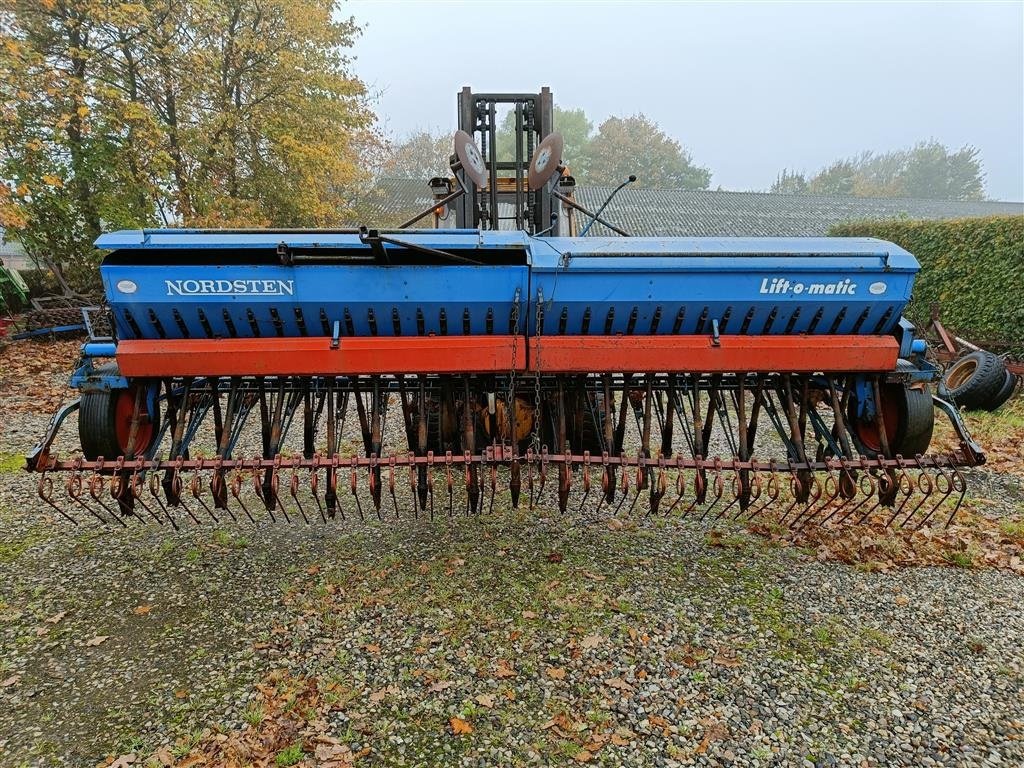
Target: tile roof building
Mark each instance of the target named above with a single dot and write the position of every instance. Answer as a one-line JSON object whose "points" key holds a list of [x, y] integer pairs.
{"points": [[668, 212]]}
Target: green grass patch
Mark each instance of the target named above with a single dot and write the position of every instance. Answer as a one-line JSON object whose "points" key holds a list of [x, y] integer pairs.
{"points": [[11, 462], [13, 548]]}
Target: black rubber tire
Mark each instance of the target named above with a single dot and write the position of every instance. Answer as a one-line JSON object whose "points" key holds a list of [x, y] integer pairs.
{"points": [[915, 421], [975, 380], [918, 422], [1009, 387], [97, 427]]}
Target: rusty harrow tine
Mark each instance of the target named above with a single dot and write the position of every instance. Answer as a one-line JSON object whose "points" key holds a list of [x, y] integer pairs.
{"points": [[153, 484], [261, 494], [948, 482], [175, 486], [719, 486], [585, 473], [771, 496], [95, 486], [960, 485], [448, 482], [867, 493], [45, 491], [293, 488], [133, 488], [353, 481], [883, 485], [430, 482], [391, 485], [74, 487], [905, 486], [625, 486], [314, 487], [275, 484], [754, 493], [196, 488], [236, 491], [829, 492], [925, 485], [736, 494]]}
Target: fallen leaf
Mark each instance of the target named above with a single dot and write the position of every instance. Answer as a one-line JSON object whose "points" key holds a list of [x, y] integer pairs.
{"points": [[555, 557], [591, 641], [40, 631], [123, 761], [313, 570], [583, 756], [902, 600], [593, 576], [181, 693], [504, 670], [440, 685], [56, 617], [555, 673], [12, 680], [619, 741], [714, 732], [372, 648], [142, 610], [727, 658], [98, 640], [378, 696], [460, 726], [619, 683], [485, 700], [529, 615]]}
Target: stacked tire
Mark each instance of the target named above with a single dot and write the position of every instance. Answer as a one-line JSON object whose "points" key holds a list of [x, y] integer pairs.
{"points": [[979, 381]]}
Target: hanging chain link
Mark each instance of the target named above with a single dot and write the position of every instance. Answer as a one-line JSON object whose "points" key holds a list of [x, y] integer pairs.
{"points": [[535, 437], [509, 411]]}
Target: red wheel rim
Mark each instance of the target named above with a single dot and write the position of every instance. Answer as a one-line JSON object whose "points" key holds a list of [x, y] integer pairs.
{"points": [[124, 408], [867, 431]]}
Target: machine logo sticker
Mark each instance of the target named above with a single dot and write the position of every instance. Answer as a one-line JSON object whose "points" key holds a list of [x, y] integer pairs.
{"points": [[230, 287], [845, 287], [127, 286], [877, 288]]}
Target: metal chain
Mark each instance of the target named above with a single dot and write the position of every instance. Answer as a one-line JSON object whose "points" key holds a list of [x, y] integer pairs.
{"points": [[512, 373], [535, 437]]}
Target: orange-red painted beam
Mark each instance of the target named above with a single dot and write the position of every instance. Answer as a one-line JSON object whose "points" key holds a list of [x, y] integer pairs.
{"points": [[313, 356], [697, 354]]}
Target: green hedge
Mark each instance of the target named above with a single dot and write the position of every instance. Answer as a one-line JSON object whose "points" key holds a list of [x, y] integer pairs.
{"points": [[972, 268]]}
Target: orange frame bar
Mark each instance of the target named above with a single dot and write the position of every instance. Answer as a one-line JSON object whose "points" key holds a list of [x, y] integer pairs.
{"points": [[699, 354], [313, 356]]}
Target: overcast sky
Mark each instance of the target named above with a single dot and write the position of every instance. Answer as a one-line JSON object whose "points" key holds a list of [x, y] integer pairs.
{"points": [[748, 88]]}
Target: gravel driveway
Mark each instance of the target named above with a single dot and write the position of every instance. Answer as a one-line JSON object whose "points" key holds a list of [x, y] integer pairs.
{"points": [[509, 640]]}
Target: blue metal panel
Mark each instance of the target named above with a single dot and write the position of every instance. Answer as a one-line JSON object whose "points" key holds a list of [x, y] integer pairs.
{"points": [[750, 285], [239, 290], [827, 283]]}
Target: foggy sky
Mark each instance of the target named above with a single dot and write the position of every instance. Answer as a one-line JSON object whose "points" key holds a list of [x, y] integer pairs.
{"points": [[747, 88]]}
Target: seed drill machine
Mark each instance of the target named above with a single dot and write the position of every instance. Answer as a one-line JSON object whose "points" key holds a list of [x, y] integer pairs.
{"points": [[516, 358]]}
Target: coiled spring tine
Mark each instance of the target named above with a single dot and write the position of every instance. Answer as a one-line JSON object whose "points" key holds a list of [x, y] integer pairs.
{"points": [[959, 484], [95, 485], [293, 489], [942, 480], [258, 483], [45, 490], [236, 491], [196, 488], [353, 483], [133, 485]]}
